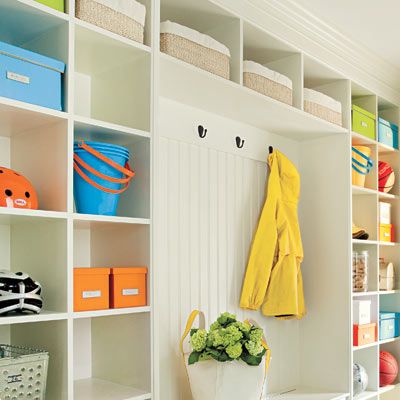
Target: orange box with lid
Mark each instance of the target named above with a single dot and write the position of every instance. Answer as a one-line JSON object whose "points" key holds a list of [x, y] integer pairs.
{"points": [[364, 334], [386, 233], [128, 287], [91, 289]]}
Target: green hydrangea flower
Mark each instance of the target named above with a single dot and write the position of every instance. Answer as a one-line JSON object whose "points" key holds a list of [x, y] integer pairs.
{"points": [[216, 337], [224, 336], [199, 340], [234, 350], [214, 326], [233, 335], [256, 335], [226, 317], [243, 326], [254, 348]]}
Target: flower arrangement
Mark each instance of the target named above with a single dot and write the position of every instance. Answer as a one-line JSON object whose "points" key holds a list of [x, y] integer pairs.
{"points": [[227, 340]]}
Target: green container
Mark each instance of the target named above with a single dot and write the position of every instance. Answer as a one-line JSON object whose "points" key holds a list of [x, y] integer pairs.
{"points": [[363, 122], [56, 4]]}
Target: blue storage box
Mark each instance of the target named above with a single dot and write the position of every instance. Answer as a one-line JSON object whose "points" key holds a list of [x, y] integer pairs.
{"points": [[388, 133], [30, 77], [389, 325]]}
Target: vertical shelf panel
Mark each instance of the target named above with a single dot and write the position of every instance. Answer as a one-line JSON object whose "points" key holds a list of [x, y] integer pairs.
{"points": [[265, 49]]}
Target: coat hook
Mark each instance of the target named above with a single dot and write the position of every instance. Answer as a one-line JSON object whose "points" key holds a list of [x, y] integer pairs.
{"points": [[271, 149], [202, 131], [239, 142]]}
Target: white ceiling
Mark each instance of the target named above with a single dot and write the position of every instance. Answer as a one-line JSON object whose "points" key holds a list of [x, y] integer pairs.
{"points": [[374, 24]]}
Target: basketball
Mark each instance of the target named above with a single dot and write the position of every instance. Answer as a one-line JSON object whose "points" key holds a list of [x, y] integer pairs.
{"points": [[386, 177], [388, 368]]}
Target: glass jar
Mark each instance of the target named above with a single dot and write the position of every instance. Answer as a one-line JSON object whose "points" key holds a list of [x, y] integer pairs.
{"points": [[360, 271]]}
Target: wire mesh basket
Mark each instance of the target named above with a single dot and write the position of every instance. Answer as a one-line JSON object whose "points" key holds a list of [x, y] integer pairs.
{"points": [[23, 373]]}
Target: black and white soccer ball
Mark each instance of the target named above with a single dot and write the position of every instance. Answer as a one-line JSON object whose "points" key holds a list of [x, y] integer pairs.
{"points": [[19, 292], [360, 379]]}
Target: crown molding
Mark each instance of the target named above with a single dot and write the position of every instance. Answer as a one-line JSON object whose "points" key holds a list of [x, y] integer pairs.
{"points": [[294, 24]]}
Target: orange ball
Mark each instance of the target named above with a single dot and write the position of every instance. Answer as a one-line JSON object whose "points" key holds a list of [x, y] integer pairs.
{"points": [[16, 191]]}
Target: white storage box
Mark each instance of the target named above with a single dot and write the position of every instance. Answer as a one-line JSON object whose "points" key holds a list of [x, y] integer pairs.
{"points": [[195, 48], [267, 82], [386, 276], [385, 213], [323, 106], [123, 17], [362, 312]]}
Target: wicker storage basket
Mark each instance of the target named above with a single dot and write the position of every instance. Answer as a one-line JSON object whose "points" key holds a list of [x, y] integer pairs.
{"points": [[192, 52], [102, 13], [267, 82], [322, 106]]}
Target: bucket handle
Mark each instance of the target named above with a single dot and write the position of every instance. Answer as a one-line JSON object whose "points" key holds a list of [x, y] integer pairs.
{"points": [[356, 163], [126, 171]]}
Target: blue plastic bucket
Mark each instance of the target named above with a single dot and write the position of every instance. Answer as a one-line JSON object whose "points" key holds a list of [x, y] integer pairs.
{"points": [[90, 199]]}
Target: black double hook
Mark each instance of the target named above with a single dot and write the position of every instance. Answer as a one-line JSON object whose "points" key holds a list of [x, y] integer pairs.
{"points": [[239, 142], [202, 131]]}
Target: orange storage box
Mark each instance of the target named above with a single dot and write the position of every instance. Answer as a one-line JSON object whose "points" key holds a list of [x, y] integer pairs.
{"points": [[128, 287], [364, 334], [91, 289], [386, 233]]}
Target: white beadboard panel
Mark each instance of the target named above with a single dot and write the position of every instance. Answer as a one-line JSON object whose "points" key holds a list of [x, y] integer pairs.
{"points": [[209, 206]]}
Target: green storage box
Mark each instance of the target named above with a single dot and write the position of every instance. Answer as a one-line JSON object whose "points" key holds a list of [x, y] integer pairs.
{"points": [[363, 122], [56, 4]]}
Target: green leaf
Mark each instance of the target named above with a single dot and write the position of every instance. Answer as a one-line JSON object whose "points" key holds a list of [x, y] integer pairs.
{"points": [[193, 331], [194, 357], [224, 357], [251, 360], [214, 352]]}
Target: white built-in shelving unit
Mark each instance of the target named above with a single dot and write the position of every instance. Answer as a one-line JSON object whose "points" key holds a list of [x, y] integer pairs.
{"points": [[108, 96], [192, 210]]}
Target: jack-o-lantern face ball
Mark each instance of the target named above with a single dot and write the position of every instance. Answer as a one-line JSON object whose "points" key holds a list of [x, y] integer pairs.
{"points": [[16, 191]]}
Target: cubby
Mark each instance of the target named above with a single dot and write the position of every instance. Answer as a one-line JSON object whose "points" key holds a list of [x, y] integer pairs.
{"points": [[265, 49], [135, 202], [39, 153], [393, 159], [110, 244], [321, 78], [208, 18], [373, 265], [37, 31], [43, 257], [391, 254], [365, 99], [394, 349], [365, 213], [95, 341], [50, 336], [112, 79], [368, 359], [388, 111]]}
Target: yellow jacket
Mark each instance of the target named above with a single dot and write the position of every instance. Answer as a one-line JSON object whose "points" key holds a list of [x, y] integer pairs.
{"points": [[273, 277]]}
